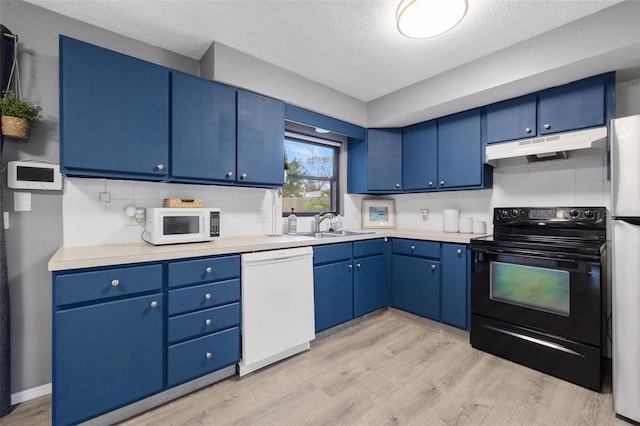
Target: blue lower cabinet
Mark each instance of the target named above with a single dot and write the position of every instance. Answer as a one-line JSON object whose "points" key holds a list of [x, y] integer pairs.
{"points": [[106, 356], [333, 294], [416, 286], [350, 280], [369, 285], [455, 290], [197, 357]]}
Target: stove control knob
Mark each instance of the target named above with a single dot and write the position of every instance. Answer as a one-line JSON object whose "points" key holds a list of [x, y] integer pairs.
{"points": [[515, 212], [589, 214], [504, 214], [573, 213]]}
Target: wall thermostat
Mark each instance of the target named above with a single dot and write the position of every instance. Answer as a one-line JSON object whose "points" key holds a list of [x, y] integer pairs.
{"points": [[33, 175]]}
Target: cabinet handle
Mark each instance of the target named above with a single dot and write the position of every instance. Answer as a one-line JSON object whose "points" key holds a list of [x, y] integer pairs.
{"points": [[357, 266], [547, 126], [441, 182], [350, 267], [459, 251], [243, 176], [160, 166], [527, 130], [433, 266], [397, 185], [115, 283], [229, 174], [208, 355], [207, 296], [207, 321], [412, 248], [430, 183], [208, 269], [154, 304]]}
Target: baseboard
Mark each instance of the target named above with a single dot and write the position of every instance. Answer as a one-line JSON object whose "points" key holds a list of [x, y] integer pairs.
{"points": [[32, 393]]}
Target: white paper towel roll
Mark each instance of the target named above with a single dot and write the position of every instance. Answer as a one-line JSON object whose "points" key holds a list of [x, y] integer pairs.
{"points": [[450, 220]]}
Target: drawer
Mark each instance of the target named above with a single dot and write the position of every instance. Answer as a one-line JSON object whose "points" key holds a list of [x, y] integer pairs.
{"points": [[106, 283], [203, 296], [203, 322], [368, 248], [203, 270], [331, 253], [204, 355], [417, 248]]}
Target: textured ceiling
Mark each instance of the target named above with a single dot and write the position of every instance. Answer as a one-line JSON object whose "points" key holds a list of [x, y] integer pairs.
{"points": [[351, 46]]}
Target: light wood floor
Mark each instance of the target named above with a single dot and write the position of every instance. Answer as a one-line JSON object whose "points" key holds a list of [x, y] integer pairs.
{"points": [[389, 368]]}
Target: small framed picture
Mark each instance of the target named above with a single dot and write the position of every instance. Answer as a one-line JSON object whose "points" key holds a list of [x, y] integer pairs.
{"points": [[378, 213]]}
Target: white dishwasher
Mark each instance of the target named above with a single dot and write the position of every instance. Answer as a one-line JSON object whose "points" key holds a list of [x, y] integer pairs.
{"points": [[277, 306]]}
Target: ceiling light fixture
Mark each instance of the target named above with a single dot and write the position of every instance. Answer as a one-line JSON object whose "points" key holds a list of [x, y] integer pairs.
{"points": [[429, 18]]}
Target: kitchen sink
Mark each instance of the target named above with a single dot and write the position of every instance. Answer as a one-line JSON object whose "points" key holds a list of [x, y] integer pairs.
{"points": [[332, 234]]}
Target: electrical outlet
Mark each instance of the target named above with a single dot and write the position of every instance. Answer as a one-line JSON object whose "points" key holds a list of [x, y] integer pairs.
{"points": [[424, 214], [261, 216]]}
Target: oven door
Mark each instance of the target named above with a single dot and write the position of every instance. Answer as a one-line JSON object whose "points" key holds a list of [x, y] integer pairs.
{"points": [[553, 293]]}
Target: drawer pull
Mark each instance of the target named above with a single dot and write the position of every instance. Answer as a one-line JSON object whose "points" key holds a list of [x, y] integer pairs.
{"points": [[357, 265], [433, 266], [154, 304], [209, 270], [207, 296], [115, 283], [208, 355], [412, 248], [459, 251], [208, 321]]}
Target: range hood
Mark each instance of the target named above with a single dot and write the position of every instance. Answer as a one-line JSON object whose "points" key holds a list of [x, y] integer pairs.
{"points": [[547, 147]]}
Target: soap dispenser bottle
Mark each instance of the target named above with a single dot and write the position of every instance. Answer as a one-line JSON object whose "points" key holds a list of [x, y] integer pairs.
{"points": [[292, 223]]}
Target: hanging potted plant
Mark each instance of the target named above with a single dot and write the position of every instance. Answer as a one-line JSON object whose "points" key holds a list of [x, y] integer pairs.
{"points": [[17, 115]]}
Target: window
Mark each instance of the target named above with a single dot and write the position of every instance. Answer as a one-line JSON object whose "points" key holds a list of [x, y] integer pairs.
{"points": [[312, 175]]}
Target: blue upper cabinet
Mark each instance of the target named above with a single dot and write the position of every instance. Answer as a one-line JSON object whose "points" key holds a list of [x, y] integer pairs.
{"points": [[579, 105], [203, 131], [420, 157], [260, 140], [384, 160], [460, 150], [574, 106], [512, 119], [114, 114]]}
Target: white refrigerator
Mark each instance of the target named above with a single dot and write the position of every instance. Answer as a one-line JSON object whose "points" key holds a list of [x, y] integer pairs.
{"points": [[625, 227]]}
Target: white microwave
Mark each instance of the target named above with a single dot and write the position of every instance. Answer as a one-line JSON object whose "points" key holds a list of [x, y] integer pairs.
{"points": [[167, 225]]}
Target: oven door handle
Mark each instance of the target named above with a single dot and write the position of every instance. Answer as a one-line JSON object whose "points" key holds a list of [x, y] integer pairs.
{"points": [[536, 254]]}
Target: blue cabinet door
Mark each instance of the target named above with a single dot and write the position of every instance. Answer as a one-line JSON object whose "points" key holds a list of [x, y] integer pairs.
{"points": [[203, 129], [384, 160], [114, 113], [420, 157], [260, 140], [573, 106], [369, 284], [454, 285], [333, 294], [460, 150], [512, 119], [106, 356], [415, 286]]}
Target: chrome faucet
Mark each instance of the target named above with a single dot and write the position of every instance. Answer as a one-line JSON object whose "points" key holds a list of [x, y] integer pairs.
{"points": [[318, 219]]}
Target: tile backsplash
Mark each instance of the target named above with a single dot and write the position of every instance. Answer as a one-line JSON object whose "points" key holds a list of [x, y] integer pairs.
{"points": [[89, 221], [580, 180]]}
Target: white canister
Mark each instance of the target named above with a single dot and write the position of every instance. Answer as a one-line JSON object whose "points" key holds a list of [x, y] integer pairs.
{"points": [[466, 225], [450, 220], [479, 227]]}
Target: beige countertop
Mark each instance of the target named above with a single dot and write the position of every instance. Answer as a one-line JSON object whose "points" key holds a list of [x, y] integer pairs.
{"points": [[66, 258]]}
